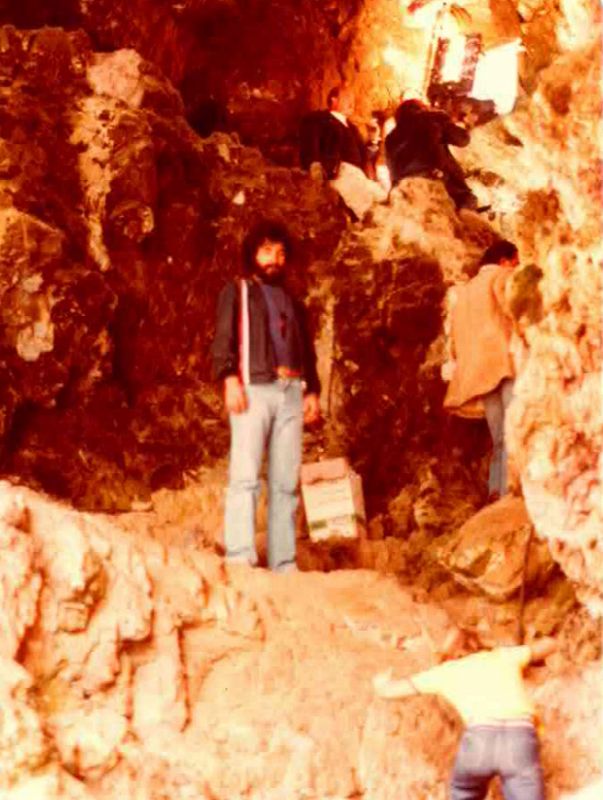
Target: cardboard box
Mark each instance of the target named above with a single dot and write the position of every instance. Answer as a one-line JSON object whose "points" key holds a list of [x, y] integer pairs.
{"points": [[333, 500]]}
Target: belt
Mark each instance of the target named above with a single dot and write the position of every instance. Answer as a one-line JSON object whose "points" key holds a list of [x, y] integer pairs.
{"points": [[286, 372], [518, 722]]}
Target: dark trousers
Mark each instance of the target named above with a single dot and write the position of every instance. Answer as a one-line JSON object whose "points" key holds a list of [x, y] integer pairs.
{"points": [[454, 180], [509, 751]]}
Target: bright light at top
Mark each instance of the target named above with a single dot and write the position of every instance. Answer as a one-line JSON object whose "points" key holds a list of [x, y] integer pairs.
{"points": [[496, 77], [395, 58], [423, 16], [496, 71], [455, 57]]}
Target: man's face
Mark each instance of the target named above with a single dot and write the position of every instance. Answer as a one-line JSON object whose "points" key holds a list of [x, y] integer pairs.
{"points": [[346, 102], [343, 102], [270, 258]]}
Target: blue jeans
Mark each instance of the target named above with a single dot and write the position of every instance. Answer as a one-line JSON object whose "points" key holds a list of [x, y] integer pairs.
{"points": [[509, 751], [273, 419], [495, 407]]}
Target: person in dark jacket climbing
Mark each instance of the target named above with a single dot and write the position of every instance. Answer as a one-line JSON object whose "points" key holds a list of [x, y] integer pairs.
{"points": [[264, 353], [329, 138], [418, 147]]}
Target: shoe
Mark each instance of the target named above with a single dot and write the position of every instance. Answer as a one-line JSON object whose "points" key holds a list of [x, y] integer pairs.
{"points": [[286, 569], [466, 201], [248, 561]]}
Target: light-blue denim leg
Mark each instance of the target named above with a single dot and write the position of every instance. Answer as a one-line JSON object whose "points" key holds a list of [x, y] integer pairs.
{"points": [[495, 406], [283, 475], [249, 434]]}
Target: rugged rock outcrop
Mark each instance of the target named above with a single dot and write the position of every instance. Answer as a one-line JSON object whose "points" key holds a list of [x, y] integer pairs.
{"points": [[137, 668], [556, 422], [265, 63], [149, 671], [119, 227], [390, 281], [255, 67], [493, 552], [123, 226]]}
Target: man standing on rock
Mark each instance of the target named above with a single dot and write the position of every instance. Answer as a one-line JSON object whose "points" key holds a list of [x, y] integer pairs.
{"points": [[265, 355], [487, 690], [329, 138], [481, 367], [418, 147], [331, 147]]}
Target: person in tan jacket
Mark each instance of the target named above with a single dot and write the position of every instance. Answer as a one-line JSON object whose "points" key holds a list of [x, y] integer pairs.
{"points": [[481, 367]]}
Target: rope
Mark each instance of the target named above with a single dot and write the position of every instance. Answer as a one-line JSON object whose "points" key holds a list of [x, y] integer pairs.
{"points": [[522, 594]]}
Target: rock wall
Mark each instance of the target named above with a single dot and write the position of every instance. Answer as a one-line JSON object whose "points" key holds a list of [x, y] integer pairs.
{"points": [[119, 227], [266, 63], [392, 273], [262, 64], [134, 670], [553, 174], [124, 226]]}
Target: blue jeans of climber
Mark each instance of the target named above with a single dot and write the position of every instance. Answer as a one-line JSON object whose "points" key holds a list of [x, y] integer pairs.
{"points": [[273, 420], [495, 407], [509, 750]]}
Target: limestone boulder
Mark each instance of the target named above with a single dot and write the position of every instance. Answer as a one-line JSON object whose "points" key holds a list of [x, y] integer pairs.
{"points": [[490, 553]]}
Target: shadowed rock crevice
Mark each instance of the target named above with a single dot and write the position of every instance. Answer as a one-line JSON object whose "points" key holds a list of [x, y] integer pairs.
{"points": [[386, 316]]}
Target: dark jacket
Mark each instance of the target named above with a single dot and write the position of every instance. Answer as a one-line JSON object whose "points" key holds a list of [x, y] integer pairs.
{"points": [[225, 348], [325, 139], [419, 142]]}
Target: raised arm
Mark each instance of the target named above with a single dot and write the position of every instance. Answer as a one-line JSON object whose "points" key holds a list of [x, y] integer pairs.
{"points": [[542, 648], [384, 686], [455, 135]]}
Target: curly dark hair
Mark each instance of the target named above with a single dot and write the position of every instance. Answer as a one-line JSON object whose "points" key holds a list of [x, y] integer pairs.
{"points": [[266, 230], [406, 108], [503, 250]]}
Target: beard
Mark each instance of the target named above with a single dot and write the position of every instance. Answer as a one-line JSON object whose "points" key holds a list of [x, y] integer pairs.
{"points": [[272, 274]]}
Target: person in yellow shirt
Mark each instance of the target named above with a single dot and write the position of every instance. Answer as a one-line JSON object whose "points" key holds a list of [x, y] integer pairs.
{"points": [[487, 690]]}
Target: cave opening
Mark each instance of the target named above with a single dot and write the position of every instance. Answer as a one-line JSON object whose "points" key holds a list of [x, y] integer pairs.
{"points": [[140, 142]]}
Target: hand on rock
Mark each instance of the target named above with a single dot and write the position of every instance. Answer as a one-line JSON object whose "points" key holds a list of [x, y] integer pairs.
{"points": [[382, 683], [311, 409]]}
